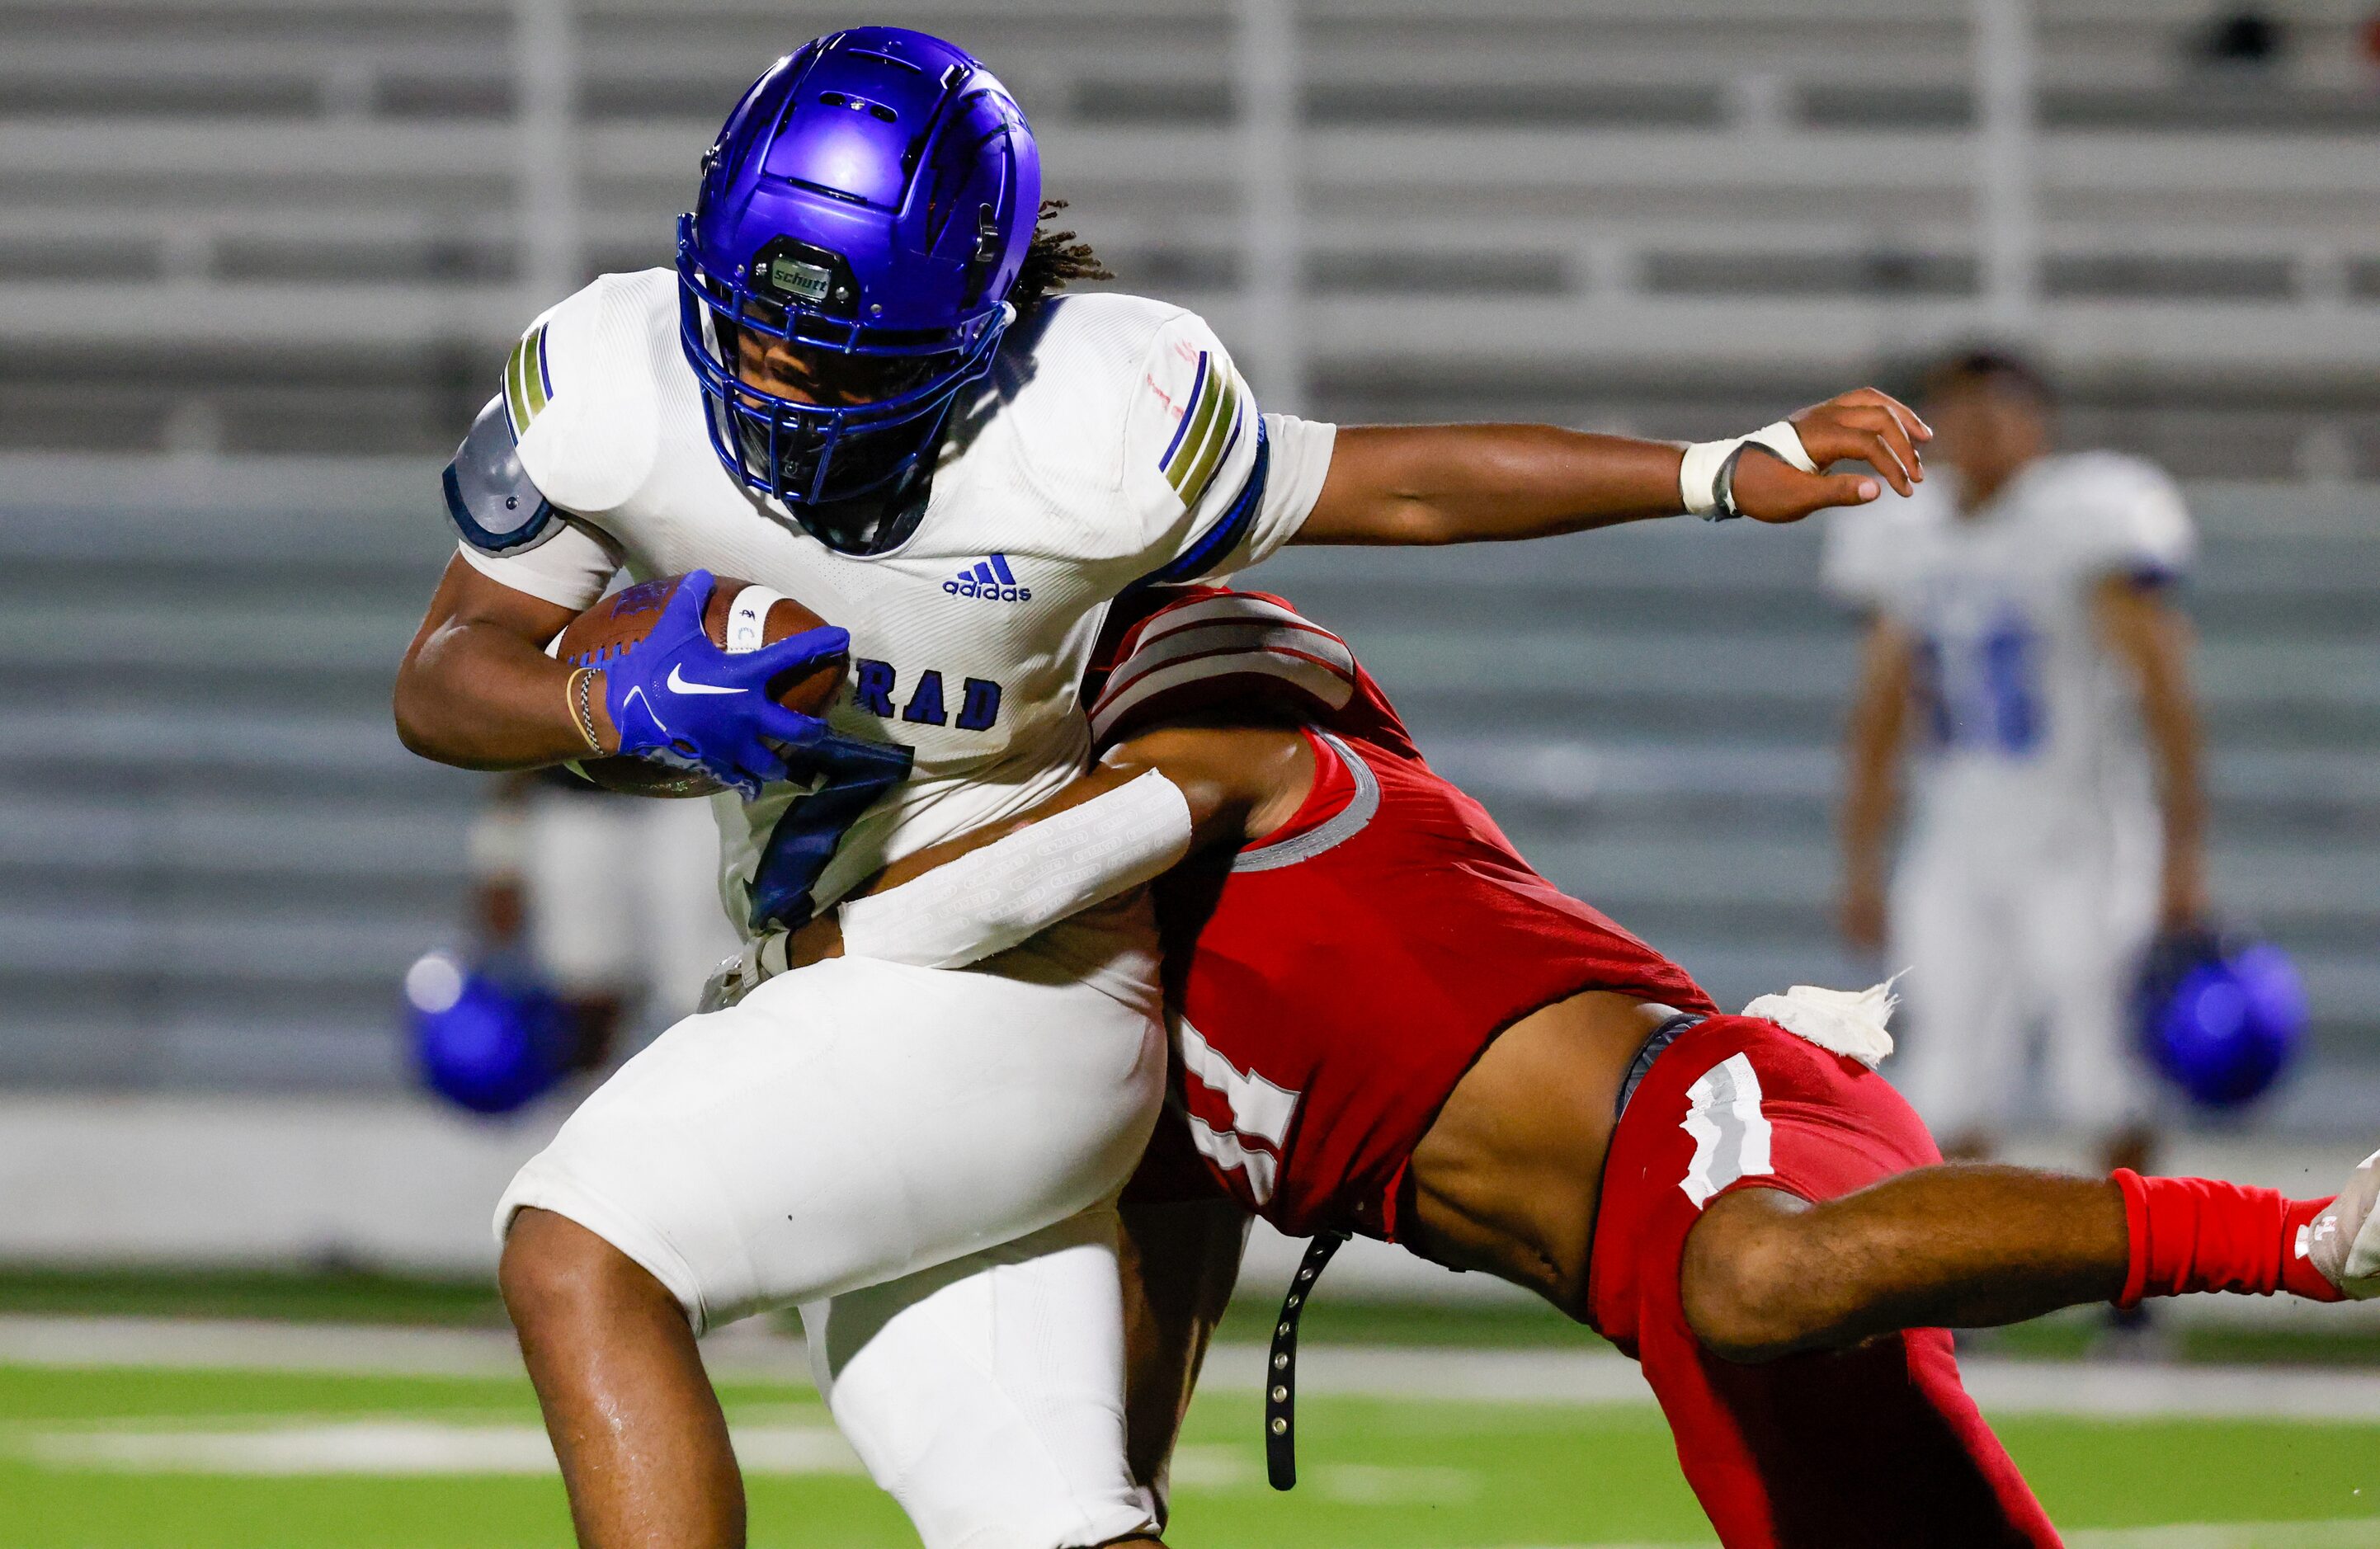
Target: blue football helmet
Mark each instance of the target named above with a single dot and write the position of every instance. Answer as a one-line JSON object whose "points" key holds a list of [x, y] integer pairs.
{"points": [[483, 1040], [2219, 1016], [873, 196]]}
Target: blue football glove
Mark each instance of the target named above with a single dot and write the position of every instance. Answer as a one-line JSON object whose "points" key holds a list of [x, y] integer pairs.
{"points": [[679, 699]]}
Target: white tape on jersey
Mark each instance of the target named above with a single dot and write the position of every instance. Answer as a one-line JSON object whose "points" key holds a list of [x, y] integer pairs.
{"points": [[747, 618], [1698, 471], [1845, 1021], [1016, 887]]}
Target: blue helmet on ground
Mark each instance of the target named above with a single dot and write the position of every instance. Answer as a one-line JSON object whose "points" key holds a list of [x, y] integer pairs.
{"points": [[2220, 1016], [873, 198], [483, 1040]]}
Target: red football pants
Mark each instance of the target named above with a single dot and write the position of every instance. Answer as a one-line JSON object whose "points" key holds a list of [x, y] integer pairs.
{"points": [[1878, 1445]]}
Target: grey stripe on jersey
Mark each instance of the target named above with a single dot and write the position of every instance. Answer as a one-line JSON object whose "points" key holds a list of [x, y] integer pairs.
{"points": [[1730, 1133], [1335, 832]]}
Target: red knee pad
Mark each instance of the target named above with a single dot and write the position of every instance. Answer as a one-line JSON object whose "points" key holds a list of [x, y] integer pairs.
{"points": [[2200, 1234]]}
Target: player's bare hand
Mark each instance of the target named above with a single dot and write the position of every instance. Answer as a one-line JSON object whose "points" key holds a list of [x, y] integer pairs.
{"points": [[1862, 426]]}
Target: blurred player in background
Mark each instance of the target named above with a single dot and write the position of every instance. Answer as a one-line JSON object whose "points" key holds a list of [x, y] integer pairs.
{"points": [[613, 901], [2023, 640]]}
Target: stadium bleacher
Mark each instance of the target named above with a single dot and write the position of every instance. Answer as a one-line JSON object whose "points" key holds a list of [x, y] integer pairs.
{"points": [[1612, 210], [250, 295], [216, 860]]}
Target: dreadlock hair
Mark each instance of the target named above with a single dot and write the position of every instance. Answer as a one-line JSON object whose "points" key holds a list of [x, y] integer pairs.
{"points": [[1055, 260]]}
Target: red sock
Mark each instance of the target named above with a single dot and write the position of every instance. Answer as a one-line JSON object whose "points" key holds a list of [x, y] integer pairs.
{"points": [[2199, 1234]]}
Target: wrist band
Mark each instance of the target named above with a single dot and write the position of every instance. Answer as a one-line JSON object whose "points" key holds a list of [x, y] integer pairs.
{"points": [[582, 713], [1706, 472]]}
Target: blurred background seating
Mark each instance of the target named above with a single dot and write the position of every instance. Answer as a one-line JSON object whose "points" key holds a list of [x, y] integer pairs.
{"points": [[259, 264]]}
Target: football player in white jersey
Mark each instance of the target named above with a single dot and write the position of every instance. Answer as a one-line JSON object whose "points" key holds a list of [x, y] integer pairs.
{"points": [[2022, 640], [855, 390]]}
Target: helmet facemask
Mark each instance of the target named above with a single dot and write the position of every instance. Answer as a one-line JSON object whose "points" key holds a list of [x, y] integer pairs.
{"points": [[850, 471]]}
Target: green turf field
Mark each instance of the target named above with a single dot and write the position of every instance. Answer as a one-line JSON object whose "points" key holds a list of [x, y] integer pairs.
{"points": [[131, 1458], [185, 1459], [362, 1296]]}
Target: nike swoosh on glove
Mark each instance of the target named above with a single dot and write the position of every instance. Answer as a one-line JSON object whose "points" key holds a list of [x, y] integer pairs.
{"points": [[680, 699]]}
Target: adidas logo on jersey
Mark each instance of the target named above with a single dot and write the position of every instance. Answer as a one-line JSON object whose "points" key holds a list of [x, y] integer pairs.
{"points": [[990, 579]]}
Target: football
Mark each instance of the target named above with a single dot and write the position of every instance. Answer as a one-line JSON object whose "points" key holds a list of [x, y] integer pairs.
{"points": [[621, 619]]}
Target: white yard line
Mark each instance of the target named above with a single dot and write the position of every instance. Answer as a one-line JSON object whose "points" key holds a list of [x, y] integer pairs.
{"points": [[2002, 1388], [1545, 1376], [2361, 1532], [749, 1350], [230, 1344], [1541, 1376], [780, 1440], [2133, 1391], [421, 1445], [392, 1445]]}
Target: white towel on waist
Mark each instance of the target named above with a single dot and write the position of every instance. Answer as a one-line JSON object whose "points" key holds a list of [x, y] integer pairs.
{"points": [[1846, 1021]]}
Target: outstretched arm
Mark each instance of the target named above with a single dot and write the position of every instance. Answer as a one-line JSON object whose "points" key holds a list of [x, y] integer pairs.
{"points": [[1239, 782], [1481, 483], [1152, 800], [1964, 1245]]}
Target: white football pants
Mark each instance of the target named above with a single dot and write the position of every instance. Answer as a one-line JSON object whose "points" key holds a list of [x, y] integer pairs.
{"points": [[855, 1123], [2001, 939], [987, 1395]]}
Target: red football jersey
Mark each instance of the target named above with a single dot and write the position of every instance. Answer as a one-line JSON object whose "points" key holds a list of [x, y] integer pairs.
{"points": [[1334, 982]]}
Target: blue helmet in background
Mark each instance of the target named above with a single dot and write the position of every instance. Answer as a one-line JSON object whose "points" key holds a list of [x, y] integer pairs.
{"points": [[483, 1040], [2220, 1017], [873, 196]]}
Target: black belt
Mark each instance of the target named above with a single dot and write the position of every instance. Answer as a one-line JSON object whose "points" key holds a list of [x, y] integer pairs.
{"points": [[1280, 1362]]}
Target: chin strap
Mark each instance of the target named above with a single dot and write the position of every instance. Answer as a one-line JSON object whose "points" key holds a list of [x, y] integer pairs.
{"points": [[1281, 1365]]}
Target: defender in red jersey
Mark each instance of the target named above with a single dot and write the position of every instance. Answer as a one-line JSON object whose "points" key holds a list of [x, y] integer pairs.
{"points": [[1389, 913], [1391, 1024]]}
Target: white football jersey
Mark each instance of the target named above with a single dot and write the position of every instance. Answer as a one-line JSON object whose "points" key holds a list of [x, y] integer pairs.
{"points": [[1113, 443], [2024, 718]]}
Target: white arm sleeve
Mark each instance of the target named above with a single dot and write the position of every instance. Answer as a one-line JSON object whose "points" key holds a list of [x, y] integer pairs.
{"points": [[1016, 887]]}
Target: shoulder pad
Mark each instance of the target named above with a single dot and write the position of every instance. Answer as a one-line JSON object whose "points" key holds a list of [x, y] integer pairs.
{"points": [[1216, 648], [2115, 478], [1190, 413], [1068, 375], [489, 494]]}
